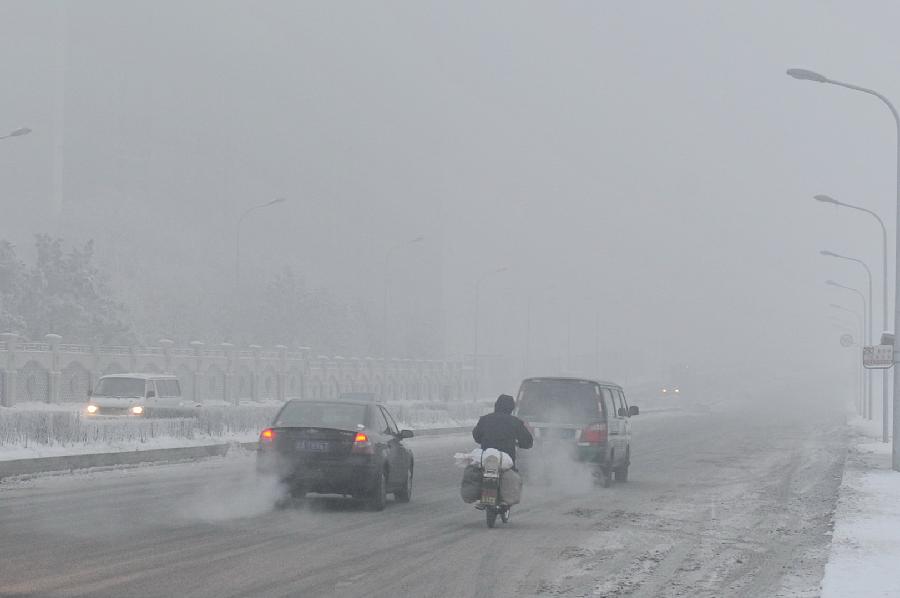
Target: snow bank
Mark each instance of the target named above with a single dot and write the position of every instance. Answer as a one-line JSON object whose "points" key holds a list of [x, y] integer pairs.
{"points": [[866, 544], [21, 429]]}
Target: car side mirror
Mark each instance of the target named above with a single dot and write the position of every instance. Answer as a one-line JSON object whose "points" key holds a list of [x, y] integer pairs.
{"points": [[622, 412], [633, 410], [404, 434], [151, 394]]}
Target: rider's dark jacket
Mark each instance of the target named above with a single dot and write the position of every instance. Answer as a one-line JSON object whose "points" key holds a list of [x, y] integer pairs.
{"points": [[501, 430]]}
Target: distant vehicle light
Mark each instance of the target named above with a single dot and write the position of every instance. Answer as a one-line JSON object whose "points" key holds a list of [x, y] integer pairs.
{"points": [[137, 410], [92, 409], [676, 390], [665, 390]]}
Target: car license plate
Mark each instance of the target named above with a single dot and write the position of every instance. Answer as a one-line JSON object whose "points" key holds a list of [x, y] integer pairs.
{"points": [[313, 446]]}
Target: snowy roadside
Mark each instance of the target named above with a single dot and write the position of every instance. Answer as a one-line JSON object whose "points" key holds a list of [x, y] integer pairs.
{"points": [[865, 546]]}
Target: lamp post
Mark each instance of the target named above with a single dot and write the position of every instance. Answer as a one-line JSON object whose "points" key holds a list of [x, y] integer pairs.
{"points": [[478, 282], [868, 339], [237, 244], [867, 403], [884, 301], [387, 283], [859, 369], [16, 133], [807, 75]]}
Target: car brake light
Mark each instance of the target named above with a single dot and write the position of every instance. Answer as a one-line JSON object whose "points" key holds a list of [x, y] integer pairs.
{"points": [[362, 445], [267, 435], [593, 434]]}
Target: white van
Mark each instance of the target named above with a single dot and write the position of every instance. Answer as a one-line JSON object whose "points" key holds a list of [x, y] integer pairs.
{"points": [[141, 395]]}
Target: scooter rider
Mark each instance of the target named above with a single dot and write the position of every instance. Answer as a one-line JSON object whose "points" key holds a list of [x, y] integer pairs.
{"points": [[501, 430]]}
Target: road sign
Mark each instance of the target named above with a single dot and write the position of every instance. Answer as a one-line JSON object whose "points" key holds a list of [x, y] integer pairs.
{"points": [[878, 357], [846, 340]]}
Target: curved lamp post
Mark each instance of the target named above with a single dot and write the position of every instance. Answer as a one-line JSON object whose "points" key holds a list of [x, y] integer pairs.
{"points": [[867, 403], [808, 75], [884, 300], [860, 403], [237, 244]]}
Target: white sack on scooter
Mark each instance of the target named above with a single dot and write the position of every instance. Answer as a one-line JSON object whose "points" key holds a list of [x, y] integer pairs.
{"points": [[475, 457], [478, 456]]}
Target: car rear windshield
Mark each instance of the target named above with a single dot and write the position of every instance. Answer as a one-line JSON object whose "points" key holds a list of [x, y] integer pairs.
{"points": [[120, 387], [304, 414], [560, 401]]}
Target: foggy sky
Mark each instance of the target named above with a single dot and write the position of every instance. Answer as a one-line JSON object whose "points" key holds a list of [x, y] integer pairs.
{"points": [[649, 162]]}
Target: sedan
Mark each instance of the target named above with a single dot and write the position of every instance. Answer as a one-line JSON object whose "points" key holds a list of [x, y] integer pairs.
{"points": [[348, 447]]}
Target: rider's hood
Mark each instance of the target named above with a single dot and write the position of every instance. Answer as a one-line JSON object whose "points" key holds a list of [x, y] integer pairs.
{"points": [[504, 404]]}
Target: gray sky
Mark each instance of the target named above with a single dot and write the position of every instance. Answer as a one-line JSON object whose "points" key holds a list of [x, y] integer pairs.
{"points": [[647, 161]]}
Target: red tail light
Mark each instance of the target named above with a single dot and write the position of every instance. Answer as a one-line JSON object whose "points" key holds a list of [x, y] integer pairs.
{"points": [[594, 434], [362, 445], [267, 435]]}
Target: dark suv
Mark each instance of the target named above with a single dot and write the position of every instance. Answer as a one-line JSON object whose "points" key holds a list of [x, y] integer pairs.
{"points": [[584, 420], [338, 447]]}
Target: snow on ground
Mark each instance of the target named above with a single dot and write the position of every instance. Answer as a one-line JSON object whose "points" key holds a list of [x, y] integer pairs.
{"points": [[866, 543], [8, 453]]}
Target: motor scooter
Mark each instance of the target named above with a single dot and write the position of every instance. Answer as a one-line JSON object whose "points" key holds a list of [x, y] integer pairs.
{"points": [[491, 502]]}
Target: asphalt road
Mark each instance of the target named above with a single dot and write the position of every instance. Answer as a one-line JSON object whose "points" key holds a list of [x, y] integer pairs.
{"points": [[725, 499]]}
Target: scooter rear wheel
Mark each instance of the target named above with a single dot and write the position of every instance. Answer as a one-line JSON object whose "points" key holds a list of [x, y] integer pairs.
{"points": [[490, 515]]}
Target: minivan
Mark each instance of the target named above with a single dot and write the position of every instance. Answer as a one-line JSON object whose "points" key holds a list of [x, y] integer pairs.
{"points": [[141, 395], [580, 419]]}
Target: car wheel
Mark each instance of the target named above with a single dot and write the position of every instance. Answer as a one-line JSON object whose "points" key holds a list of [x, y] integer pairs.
{"points": [[607, 478], [378, 498], [622, 472], [603, 477], [405, 493]]}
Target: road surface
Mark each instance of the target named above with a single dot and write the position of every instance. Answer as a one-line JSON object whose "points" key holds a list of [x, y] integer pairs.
{"points": [[727, 498]]}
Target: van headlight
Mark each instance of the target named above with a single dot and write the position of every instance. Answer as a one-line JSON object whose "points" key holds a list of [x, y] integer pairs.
{"points": [[92, 409], [137, 410]]}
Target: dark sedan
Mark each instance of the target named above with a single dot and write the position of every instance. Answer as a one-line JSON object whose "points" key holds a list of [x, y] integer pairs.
{"points": [[347, 447]]}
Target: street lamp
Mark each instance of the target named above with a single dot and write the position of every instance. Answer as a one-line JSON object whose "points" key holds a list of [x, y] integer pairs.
{"points": [[237, 244], [16, 133], [867, 405], [868, 277], [807, 75], [477, 301], [860, 403], [884, 301], [387, 270]]}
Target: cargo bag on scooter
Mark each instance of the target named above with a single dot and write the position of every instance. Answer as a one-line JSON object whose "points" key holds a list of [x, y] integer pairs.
{"points": [[511, 487], [470, 490]]}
